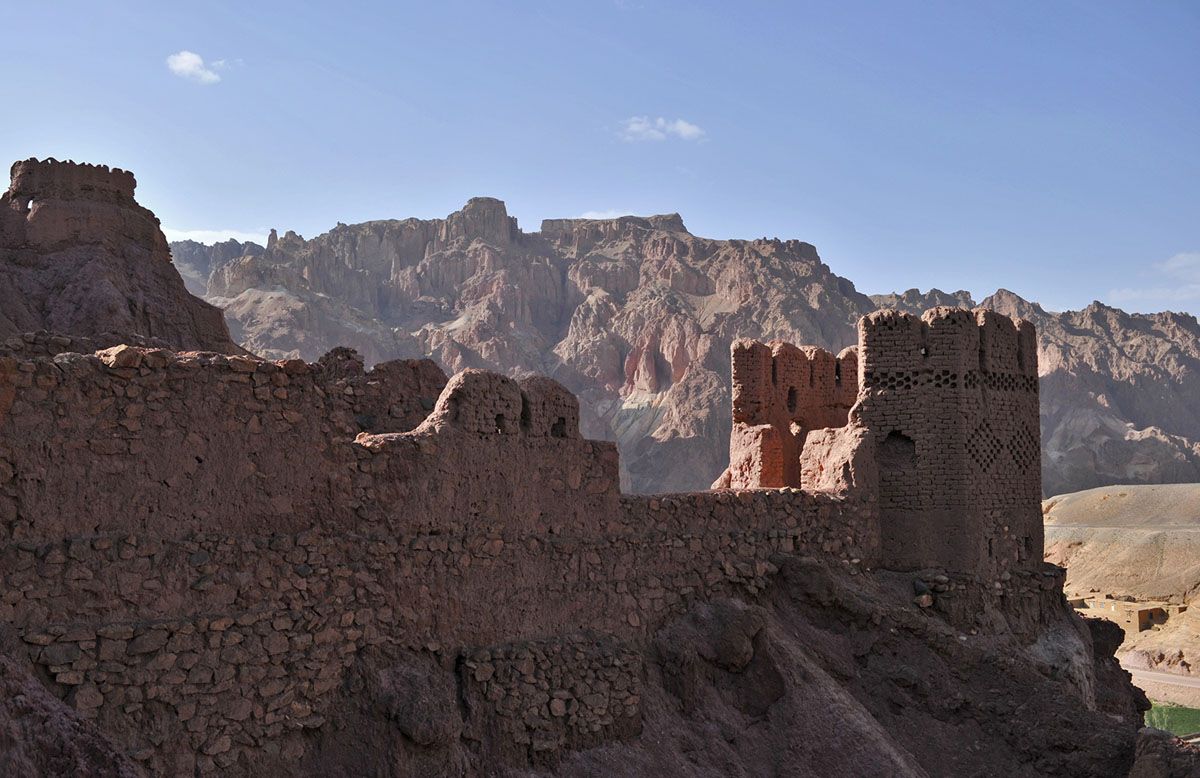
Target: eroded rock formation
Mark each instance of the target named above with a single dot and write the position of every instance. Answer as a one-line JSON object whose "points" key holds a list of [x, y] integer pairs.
{"points": [[79, 257], [1120, 394], [196, 261], [42, 736], [635, 315]]}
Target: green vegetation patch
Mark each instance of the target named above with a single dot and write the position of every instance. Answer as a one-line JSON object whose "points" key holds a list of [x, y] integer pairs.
{"points": [[1174, 718]]}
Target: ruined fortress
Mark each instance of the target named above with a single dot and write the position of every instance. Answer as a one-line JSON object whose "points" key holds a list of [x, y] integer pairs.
{"points": [[79, 257], [233, 566], [198, 549], [935, 418], [75, 203]]}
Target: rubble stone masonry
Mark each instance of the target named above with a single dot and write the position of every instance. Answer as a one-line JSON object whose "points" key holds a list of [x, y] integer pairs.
{"points": [[199, 549]]}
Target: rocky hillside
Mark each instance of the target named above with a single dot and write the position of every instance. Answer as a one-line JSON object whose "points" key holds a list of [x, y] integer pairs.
{"points": [[80, 257], [1141, 544], [636, 316]]}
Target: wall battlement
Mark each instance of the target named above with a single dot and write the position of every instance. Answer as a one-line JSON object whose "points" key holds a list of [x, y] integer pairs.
{"points": [[50, 178], [951, 399], [947, 345], [940, 426]]}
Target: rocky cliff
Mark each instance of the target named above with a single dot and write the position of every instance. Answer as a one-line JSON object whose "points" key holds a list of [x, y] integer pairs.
{"points": [[636, 315], [196, 261], [80, 257]]}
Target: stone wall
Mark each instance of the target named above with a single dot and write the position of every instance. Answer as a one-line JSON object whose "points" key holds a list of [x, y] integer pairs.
{"points": [[190, 527], [136, 630], [28, 345], [203, 552]]}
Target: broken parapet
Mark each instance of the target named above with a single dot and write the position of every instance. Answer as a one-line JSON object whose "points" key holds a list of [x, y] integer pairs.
{"points": [[781, 393]]}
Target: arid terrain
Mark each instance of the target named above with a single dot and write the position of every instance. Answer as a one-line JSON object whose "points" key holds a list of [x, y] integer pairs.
{"points": [[636, 315], [1131, 548]]}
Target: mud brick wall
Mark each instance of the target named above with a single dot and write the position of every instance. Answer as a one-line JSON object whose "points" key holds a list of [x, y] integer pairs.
{"points": [[71, 180], [159, 638], [133, 438], [52, 204], [199, 551], [782, 392], [952, 404]]}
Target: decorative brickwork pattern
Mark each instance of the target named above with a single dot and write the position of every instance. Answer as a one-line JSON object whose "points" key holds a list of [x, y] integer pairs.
{"points": [[961, 387]]}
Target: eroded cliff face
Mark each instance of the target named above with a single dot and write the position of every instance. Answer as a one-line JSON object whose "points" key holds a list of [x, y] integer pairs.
{"points": [[196, 261], [633, 314], [80, 257]]}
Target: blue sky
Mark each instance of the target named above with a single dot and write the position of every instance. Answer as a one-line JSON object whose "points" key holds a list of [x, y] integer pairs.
{"points": [[1052, 148]]}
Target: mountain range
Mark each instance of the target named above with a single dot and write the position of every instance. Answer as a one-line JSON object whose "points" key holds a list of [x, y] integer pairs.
{"points": [[636, 315]]}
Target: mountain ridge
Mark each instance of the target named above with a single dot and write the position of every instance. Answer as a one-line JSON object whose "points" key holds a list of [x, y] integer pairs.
{"points": [[635, 314]]}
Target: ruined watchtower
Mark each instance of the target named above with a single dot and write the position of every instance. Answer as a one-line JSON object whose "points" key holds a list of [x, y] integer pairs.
{"points": [[52, 205], [57, 180], [951, 400], [939, 430]]}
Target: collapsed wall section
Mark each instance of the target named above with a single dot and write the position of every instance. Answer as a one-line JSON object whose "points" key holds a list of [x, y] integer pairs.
{"points": [[781, 393]]}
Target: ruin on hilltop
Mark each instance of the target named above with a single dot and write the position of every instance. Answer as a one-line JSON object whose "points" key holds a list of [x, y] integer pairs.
{"points": [[230, 565], [322, 510]]}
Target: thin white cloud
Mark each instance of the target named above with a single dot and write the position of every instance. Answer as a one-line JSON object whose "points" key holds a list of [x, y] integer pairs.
{"points": [[190, 65], [643, 128], [609, 214], [1179, 281], [215, 236]]}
